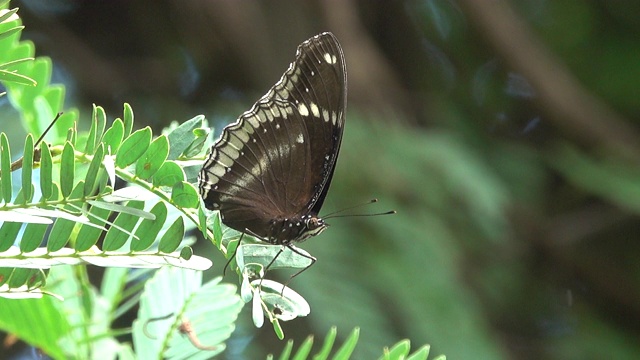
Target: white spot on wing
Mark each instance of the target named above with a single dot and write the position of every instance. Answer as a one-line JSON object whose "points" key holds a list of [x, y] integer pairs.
{"points": [[300, 139], [314, 110], [302, 109], [330, 59]]}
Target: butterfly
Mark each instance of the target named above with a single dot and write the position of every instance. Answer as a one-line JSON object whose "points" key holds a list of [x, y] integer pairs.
{"points": [[269, 172]]}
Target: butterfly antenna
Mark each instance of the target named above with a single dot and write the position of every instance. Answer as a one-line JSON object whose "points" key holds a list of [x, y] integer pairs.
{"points": [[335, 214]]}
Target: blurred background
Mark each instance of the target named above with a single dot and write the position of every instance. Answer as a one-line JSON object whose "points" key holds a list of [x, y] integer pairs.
{"points": [[505, 134]]}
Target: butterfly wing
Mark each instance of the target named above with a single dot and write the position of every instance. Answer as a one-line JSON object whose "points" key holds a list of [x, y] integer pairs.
{"points": [[276, 161]]}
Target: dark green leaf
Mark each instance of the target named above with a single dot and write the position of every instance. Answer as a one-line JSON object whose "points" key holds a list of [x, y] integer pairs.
{"points": [[153, 158], [5, 274], [62, 229], [172, 237], [92, 172], [128, 119], [186, 252], [5, 168], [19, 277], [182, 136], [32, 237], [27, 169], [133, 147], [115, 237], [46, 171], [183, 194], [169, 174], [89, 235], [67, 170], [60, 234], [148, 230], [113, 136], [8, 233]]}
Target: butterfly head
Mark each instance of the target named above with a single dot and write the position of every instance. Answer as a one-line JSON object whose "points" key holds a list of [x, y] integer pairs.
{"points": [[299, 229]]}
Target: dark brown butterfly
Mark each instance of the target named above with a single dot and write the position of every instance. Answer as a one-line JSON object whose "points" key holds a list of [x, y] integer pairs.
{"points": [[269, 172]]}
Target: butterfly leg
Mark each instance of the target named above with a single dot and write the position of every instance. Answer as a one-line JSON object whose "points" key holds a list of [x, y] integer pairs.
{"points": [[224, 271], [313, 261]]}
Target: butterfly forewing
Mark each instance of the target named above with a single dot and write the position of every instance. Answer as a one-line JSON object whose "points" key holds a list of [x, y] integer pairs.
{"points": [[276, 161]]}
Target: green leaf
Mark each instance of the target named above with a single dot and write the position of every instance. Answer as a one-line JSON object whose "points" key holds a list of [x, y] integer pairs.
{"points": [[133, 147], [277, 328], [304, 350], [5, 168], [183, 194], [181, 137], [116, 237], [32, 237], [153, 158], [421, 354], [89, 235], [67, 169], [172, 237], [327, 345], [180, 292], [345, 351], [7, 33], [34, 321], [99, 121], [169, 174], [8, 233], [91, 138], [123, 209], [72, 135], [217, 230], [12, 77], [399, 351], [5, 275], [196, 145], [128, 119], [46, 171], [286, 351], [92, 172], [63, 228], [266, 254], [19, 277], [113, 136], [7, 14], [148, 230], [27, 169], [186, 252]]}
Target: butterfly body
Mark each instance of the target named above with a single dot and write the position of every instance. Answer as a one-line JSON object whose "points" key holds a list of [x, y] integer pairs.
{"points": [[269, 172]]}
